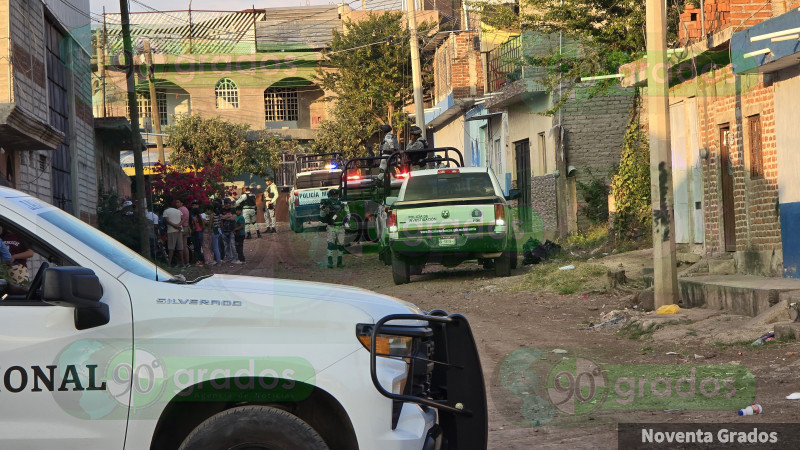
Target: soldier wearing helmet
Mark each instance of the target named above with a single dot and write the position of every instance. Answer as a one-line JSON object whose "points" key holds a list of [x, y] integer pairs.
{"points": [[333, 212], [417, 142], [388, 146]]}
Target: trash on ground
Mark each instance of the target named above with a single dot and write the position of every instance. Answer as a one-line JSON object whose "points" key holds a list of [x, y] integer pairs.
{"points": [[668, 309], [569, 267], [696, 356], [765, 338], [559, 351], [534, 252], [751, 410], [611, 318], [790, 353], [793, 396], [672, 353]]}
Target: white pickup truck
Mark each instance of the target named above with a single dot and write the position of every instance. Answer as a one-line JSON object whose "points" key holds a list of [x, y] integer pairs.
{"points": [[105, 350]]}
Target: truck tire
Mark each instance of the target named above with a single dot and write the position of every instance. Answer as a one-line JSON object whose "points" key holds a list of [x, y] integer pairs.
{"points": [[401, 271], [502, 265], [253, 427], [295, 225]]}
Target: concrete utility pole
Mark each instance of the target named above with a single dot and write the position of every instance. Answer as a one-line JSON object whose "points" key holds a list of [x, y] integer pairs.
{"points": [[416, 70], [664, 258], [151, 80], [136, 138], [102, 62]]}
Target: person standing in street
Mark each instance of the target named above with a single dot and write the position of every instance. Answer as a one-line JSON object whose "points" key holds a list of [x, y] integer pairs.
{"points": [[185, 229], [248, 203], [216, 233], [228, 223], [333, 211], [210, 257], [271, 198], [175, 239], [239, 234], [196, 225]]}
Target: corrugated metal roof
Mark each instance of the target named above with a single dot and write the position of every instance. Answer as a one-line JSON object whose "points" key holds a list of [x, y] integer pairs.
{"points": [[172, 32], [228, 32]]}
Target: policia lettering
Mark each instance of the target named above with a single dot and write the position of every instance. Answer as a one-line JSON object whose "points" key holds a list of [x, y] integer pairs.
{"points": [[17, 378], [333, 212]]}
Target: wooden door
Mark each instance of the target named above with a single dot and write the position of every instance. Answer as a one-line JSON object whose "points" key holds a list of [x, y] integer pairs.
{"points": [[728, 206]]}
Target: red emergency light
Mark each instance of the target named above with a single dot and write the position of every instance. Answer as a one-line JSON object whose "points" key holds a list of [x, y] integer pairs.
{"points": [[441, 171]]}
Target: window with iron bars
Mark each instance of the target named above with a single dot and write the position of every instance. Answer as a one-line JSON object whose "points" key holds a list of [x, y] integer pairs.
{"points": [[280, 104], [145, 110], [227, 94]]}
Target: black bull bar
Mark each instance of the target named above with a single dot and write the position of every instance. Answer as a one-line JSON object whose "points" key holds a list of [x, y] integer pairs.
{"points": [[457, 388]]}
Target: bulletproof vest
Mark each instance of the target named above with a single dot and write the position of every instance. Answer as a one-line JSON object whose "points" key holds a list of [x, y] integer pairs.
{"points": [[250, 201], [329, 207]]}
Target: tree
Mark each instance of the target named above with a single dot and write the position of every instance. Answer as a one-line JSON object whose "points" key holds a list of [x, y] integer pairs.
{"points": [[367, 68], [170, 184], [585, 37], [199, 142]]}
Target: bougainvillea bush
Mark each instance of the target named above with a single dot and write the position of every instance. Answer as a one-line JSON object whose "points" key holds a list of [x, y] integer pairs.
{"points": [[169, 184]]}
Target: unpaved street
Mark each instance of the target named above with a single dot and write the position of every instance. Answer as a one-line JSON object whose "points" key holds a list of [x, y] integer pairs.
{"points": [[517, 332]]}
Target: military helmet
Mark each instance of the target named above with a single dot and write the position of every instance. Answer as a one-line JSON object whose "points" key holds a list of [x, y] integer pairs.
{"points": [[386, 128], [416, 131], [334, 192]]}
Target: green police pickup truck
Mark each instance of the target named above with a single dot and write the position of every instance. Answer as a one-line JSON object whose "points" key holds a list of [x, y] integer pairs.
{"points": [[448, 216]]}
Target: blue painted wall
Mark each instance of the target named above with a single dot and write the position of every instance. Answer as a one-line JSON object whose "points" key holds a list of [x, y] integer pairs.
{"points": [[790, 233]]}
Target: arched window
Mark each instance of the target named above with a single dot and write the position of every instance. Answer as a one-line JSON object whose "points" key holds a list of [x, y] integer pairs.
{"points": [[227, 94], [280, 104]]}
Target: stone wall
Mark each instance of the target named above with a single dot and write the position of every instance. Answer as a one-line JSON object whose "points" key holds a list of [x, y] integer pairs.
{"points": [[594, 131], [544, 203]]}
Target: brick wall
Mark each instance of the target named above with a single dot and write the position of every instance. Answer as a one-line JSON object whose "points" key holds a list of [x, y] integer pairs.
{"points": [[544, 203], [757, 225], [738, 14], [594, 131], [746, 13], [458, 68]]}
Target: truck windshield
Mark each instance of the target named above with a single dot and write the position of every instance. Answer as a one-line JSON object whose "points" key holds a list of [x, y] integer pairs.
{"points": [[318, 179], [104, 244], [449, 185]]}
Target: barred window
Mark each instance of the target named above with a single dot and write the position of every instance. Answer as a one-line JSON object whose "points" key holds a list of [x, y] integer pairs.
{"points": [[145, 110], [227, 94], [280, 104]]}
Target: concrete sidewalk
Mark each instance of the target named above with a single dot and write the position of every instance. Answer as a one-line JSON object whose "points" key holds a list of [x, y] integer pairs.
{"points": [[741, 294]]}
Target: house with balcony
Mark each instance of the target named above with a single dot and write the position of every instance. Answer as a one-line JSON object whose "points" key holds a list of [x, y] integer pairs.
{"points": [[46, 138], [255, 67], [734, 134], [545, 155]]}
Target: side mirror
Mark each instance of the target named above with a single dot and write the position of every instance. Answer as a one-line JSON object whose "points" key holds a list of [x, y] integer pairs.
{"points": [[513, 194], [79, 288]]}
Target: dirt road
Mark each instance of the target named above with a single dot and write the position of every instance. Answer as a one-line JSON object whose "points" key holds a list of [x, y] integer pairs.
{"points": [[526, 338]]}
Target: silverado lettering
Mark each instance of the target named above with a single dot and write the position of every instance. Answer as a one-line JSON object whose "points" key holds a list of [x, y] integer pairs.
{"points": [[194, 301]]}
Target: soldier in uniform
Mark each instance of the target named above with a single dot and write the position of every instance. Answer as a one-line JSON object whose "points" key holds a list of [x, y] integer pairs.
{"points": [[388, 146], [333, 211], [417, 143], [271, 198], [248, 203]]}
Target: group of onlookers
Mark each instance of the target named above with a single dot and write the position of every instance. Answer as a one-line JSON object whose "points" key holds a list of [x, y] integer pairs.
{"points": [[216, 230]]}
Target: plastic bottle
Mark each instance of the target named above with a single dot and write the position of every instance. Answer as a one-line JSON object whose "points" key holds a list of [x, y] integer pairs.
{"points": [[750, 410]]}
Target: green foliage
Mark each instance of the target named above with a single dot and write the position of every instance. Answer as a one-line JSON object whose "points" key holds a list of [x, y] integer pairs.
{"points": [[596, 236], [367, 70], [586, 38], [595, 196], [631, 185], [199, 142], [548, 278], [113, 222]]}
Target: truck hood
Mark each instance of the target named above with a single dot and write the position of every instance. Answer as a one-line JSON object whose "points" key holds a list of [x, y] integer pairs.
{"points": [[374, 304]]}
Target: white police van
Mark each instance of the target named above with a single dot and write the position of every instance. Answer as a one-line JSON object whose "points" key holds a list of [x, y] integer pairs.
{"points": [[104, 350], [316, 174]]}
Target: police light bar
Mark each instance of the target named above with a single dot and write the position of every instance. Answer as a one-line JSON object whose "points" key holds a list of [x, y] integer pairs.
{"points": [[331, 166], [441, 171]]}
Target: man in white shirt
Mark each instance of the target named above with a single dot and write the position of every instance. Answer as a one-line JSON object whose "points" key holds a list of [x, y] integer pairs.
{"points": [[175, 239]]}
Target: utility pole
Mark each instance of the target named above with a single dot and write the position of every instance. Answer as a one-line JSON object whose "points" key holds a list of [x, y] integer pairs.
{"points": [[136, 138], [148, 54], [664, 258], [102, 62], [416, 71]]}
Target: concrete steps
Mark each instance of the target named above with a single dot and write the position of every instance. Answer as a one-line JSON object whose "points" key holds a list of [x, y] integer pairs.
{"points": [[741, 294]]}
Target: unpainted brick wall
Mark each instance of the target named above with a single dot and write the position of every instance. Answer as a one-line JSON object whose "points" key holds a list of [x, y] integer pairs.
{"points": [[594, 131]]}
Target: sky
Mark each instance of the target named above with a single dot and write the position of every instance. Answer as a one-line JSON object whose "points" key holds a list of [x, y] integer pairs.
{"points": [[112, 6]]}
